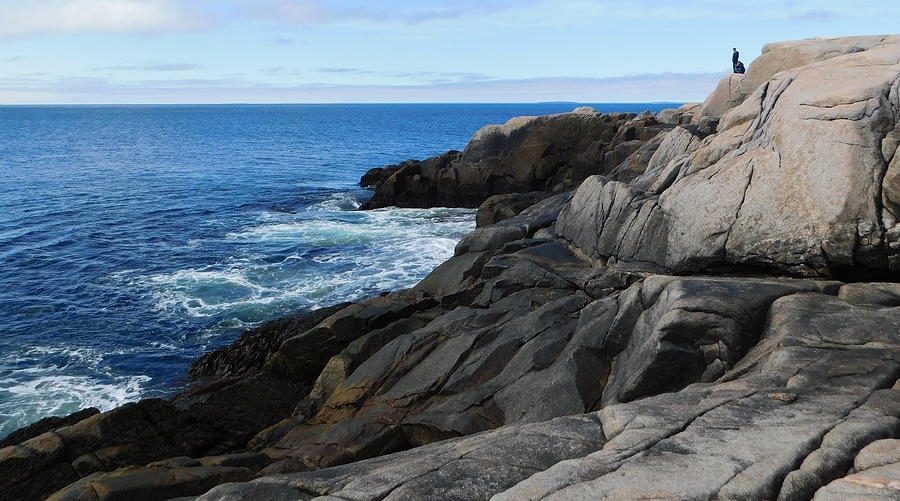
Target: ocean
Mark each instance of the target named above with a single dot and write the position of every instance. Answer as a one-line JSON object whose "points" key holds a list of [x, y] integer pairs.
{"points": [[135, 238]]}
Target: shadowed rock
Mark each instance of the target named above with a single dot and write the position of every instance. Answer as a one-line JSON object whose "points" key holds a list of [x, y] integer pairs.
{"points": [[526, 154]]}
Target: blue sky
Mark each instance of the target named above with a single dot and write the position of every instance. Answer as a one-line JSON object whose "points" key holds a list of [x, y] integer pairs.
{"points": [[224, 51]]}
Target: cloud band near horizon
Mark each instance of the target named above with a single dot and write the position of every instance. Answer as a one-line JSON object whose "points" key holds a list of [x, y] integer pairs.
{"points": [[637, 88]]}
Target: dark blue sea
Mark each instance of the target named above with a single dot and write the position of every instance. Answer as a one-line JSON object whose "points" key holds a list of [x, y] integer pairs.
{"points": [[135, 238]]}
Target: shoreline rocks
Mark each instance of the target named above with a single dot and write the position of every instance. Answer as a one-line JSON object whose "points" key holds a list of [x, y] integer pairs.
{"points": [[551, 153], [701, 304]]}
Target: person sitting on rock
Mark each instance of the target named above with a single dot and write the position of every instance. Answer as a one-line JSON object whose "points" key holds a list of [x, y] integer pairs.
{"points": [[739, 67]]}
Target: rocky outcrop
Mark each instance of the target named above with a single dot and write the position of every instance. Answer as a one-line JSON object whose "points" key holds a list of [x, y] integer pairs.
{"points": [[710, 317], [777, 57], [247, 354], [790, 417], [500, 207], [798, 179], [550, 153]]}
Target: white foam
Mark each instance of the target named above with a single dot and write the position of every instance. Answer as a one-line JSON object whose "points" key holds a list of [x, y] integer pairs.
{"points": [[51, 389], [59, 394], [344, 201], [388, 249]]}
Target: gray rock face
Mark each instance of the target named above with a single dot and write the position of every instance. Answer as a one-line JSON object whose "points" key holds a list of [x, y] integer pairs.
{"points": [[783, 423], [794, 180], [525, 224], [500, 207], [776, 58]]}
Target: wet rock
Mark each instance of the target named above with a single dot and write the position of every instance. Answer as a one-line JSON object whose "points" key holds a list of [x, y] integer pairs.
{"points": [[372, 177], [249, 352], [45, 425], [132, 434]]}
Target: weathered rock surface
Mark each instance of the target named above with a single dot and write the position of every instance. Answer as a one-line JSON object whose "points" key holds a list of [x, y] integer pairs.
{"points": [[775, 58], [784, 422], [875, 475], [710, 316], [550, 153], [798, 179], [500, 207], [249, 352]]}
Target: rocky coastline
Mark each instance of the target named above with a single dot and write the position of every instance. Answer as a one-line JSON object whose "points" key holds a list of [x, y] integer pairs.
{"points": [[702, 303]]}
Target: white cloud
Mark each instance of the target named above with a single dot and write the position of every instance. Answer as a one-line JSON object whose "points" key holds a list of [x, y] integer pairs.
{"points": [[153, 67], [77, 16], [638, 88], [407, 12]]}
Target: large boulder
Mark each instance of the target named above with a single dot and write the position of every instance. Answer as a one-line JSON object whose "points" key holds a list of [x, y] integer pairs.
{"points": [[798, 179], [551, 153], [776, 57]]}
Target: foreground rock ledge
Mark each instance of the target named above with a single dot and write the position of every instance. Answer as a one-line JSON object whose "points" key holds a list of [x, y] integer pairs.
{"points": [[713, 315]]}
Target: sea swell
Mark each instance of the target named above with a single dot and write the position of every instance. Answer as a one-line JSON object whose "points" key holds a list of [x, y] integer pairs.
{"points": [[134, 239], [281, 262]]}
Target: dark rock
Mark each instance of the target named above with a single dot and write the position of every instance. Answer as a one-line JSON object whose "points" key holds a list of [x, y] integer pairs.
{"points": [[256, 491], [371, 177], [499, 207], [517, 245], [303, 356], [800, 407], [223, 406], [527, 154], [132, 434], [523, 225], [691, 330], [45, 425], [248, 353], [453, 274]]}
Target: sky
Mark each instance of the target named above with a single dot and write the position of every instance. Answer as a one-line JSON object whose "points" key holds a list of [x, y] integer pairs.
{"points": [[314, 51]]}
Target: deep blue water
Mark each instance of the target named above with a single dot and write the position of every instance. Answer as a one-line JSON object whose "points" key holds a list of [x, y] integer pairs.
{"points": [[134, 238]]}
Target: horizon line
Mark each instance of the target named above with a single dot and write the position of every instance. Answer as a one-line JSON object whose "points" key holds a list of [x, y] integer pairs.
{"points": [[237, 103]]}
